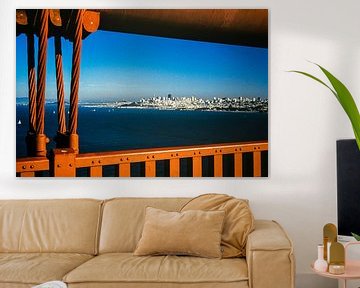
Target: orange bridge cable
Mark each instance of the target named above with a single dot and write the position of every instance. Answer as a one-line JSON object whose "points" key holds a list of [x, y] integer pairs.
{"points": [[31, 82], [43, 37], [75, 72], [60, 86]]}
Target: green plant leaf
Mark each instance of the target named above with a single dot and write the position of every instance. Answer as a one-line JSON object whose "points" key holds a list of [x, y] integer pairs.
{"points": [[357, 137], [347, 102], [344, 97], [356, 236]]}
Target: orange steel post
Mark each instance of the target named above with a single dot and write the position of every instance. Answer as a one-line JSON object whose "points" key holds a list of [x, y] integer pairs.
{"points": [[150, 168], [30, 138], [64, 163], [175, 167], [197, 166], [124, 170], [218, 165], [60, 137], [257, 164], [75, 78], [238, 165], [96, 171], [40, 103]]}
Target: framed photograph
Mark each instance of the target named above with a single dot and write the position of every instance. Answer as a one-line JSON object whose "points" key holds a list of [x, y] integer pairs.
{"points": [[142, 93]]}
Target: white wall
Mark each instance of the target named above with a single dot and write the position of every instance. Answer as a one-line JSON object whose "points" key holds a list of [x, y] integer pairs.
{"points": [[305, 121]]}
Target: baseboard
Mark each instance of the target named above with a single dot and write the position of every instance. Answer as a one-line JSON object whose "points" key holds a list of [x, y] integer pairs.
{"points": [[310, 280]]}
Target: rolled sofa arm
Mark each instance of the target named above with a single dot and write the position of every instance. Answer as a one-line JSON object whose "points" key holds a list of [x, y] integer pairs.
{"points": [[269, 256]]}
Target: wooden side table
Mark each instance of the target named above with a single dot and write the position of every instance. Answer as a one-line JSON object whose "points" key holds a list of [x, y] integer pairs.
{"points": [[352, 268]]}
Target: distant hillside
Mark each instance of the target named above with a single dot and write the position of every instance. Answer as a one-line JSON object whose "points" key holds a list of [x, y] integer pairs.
{"points": [[24, 101]]}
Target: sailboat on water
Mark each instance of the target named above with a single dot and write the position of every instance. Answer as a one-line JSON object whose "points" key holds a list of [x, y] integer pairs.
{"points": [[19, 122]]}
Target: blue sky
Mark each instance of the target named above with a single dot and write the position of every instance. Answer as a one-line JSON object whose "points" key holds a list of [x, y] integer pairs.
{"points": [[120, 66]]}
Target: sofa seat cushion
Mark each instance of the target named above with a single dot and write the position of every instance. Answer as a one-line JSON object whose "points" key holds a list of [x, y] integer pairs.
{"points": [[127, 268], [36, 268]]}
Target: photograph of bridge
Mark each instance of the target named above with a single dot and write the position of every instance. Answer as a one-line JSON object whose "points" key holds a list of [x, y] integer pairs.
{"points": [[142, 93]]}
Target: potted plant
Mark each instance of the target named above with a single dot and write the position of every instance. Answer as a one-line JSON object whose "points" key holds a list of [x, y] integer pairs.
{"points": [[345, 99]]}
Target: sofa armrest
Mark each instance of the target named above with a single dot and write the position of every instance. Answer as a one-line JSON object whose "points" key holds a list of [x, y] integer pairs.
{"points": [[269, 256]]}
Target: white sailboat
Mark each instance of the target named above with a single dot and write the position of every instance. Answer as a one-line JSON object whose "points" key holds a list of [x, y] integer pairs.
{"points": [[19, 122]]}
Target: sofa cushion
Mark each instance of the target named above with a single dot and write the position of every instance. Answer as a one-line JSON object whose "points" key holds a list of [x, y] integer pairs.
{"points": [[238, 223], [36, 268], [193, 232], [123, 220], [126, 268], [63, 226]]}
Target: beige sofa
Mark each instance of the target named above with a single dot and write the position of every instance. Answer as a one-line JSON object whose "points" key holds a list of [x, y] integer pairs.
{"points": [[89, 243]]}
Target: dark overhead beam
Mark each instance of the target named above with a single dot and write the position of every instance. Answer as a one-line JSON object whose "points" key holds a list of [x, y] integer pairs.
{"points": [[248, 27]]}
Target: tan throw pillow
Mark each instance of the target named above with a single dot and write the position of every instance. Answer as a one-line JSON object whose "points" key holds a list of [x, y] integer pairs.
{"points": [[196, 233], [239, 220]]}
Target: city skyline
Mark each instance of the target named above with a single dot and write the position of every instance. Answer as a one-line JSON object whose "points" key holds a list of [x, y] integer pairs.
{"points": [[189, 103], [124, 66]]}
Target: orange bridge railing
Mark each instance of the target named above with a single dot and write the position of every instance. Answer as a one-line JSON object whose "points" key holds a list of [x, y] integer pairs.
{"points": [[65, 163]]}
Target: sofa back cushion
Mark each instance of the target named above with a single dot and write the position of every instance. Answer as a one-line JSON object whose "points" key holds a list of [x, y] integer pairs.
{"points": [[238, 224], [123, 220], [66, 226]]}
